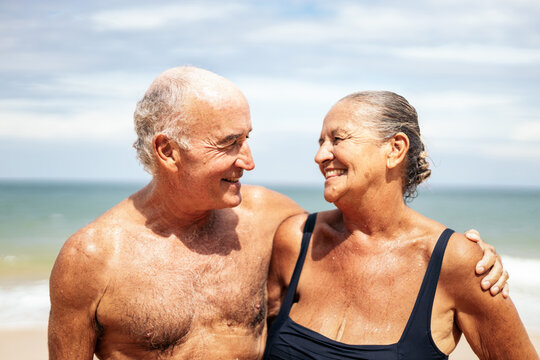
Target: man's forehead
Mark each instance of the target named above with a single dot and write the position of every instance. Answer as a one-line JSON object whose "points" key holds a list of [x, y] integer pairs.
{"points": [[216, 105], [221, 127]]}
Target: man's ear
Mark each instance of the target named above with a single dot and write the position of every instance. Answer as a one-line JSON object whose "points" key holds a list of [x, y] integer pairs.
{"points": [[165, 151], [399, 145]]}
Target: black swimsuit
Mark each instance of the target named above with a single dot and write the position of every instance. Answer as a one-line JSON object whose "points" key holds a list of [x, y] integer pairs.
{"points": [[289, 340]]}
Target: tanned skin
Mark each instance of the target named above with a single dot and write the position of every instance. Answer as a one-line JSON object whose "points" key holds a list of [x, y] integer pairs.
{"points": [[179, 269], [366, 259]]}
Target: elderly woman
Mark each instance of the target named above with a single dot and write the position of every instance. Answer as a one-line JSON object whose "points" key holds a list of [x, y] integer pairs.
{"points": [[374, 279]]}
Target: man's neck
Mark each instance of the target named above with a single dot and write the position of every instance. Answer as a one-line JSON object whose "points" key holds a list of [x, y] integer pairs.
{"points": [[165, 210]]}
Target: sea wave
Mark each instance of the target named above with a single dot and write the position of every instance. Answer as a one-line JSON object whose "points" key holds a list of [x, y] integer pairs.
{"points": [[524, 285], [26, 304]]}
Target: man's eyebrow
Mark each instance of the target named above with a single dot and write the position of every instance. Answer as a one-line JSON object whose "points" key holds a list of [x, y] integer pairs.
{"points": [[230, 138]]}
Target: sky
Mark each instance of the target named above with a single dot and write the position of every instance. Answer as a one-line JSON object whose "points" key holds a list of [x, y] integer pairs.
{"points": [[72, 72]]}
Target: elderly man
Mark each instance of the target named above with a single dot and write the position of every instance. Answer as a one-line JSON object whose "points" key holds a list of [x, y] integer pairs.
{"points": [[177, 270]]}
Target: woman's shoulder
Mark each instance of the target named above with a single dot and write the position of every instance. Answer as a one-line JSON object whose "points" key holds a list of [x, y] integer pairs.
{"points": [[461, 254], [288, 238], [458, 275], [289, 233]]}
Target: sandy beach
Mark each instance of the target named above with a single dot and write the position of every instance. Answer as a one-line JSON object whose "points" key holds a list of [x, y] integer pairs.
{"points": [[31, 344]]}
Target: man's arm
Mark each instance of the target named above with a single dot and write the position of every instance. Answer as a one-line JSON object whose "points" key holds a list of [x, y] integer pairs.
{"points": [[491, 324], [76, 285], [497, 277]]}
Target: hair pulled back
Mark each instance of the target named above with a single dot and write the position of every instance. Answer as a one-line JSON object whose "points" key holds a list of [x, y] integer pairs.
{"points": [[394, 114]]}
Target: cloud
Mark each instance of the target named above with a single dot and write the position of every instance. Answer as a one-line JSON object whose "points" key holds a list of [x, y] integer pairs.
{"points": [[280, 105], [107, 84], [74, 70], [511, 150], [529, 131], [373, 22], [104, 124], [476, 33], [463, 100], [156, 16], [472, 53], [475, 116], [96, 106]]}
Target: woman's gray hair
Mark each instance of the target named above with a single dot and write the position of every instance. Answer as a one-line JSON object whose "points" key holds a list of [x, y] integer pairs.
{"points": [[394, 114], [160, 112]]}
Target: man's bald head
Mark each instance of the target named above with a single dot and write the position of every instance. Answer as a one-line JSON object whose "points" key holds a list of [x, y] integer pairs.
{"points": [[170, 104]]}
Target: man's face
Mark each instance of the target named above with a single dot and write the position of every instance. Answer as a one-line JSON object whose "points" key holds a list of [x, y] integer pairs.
{"points": [[211, 169]]}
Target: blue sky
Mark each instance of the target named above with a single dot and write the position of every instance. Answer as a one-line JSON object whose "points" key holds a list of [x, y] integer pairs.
{"points": [[72, 72]]}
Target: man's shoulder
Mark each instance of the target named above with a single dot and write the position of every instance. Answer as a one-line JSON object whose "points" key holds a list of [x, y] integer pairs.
{"points": [[96, 242], [268, 205], [86, 248], [81, 271], [264, 198], [258, 192]]}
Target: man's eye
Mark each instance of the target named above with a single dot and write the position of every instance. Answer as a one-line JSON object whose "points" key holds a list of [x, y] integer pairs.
{"points": [[234, 144]]}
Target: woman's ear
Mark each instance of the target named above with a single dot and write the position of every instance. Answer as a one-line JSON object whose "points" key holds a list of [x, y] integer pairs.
{"points": [[399, 145], [164, 150]]}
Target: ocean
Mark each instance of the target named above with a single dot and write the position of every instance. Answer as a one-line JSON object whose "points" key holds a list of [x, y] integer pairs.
{"points": [[37, 217]]}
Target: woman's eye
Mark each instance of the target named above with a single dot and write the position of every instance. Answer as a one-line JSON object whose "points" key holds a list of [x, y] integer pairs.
{"points": [[337, 139]]}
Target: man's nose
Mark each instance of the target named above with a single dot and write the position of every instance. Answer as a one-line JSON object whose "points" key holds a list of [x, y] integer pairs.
{"points": [[245, 160]]}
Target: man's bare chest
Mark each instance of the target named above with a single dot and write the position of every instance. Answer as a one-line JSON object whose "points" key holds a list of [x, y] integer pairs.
{"points": [[159, 298]]}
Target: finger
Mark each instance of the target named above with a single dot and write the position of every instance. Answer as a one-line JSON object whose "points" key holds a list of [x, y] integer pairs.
{"points": [[499, 285], [493, 276], [473, 235], [489, 259], [506, 291]]}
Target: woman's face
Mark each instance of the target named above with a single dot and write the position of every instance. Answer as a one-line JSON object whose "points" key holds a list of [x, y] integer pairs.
{"points": [[351, 157]]}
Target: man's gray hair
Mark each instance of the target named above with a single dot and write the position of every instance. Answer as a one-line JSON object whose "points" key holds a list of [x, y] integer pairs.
{"points": [[160, 111]]}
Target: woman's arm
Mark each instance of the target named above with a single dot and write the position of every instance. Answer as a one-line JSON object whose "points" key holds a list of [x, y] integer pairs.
{"points": [[491, 324], [285, 251]]}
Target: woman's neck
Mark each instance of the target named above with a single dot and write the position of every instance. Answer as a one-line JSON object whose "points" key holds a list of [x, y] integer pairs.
{"points": [[377, 213]]}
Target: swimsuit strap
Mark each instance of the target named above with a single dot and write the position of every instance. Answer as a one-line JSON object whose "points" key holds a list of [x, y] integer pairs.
{"points": [[420, 319], [291, 291]]}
